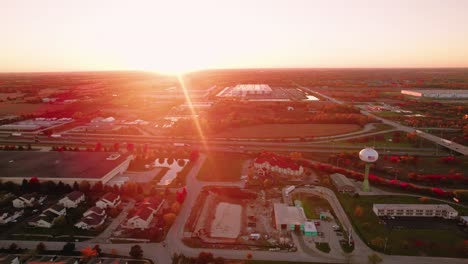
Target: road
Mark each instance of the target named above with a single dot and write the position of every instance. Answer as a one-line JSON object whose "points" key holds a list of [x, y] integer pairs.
{"points": [[438, 140], [234, 146], [161, 254]]}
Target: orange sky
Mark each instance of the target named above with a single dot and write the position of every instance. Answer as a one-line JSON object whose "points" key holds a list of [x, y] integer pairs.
{"points": [[174, 36]]}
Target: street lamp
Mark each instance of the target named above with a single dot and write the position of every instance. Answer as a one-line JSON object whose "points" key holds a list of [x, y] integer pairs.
{"points": [[368, 155]]}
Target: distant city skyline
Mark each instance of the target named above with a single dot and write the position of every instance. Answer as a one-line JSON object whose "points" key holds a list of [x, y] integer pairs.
{"points": [[178, 36]]}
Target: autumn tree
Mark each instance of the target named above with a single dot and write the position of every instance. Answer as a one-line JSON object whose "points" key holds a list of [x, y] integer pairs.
{"points": [[378, 242], [204, 258], [358, 211], [88, 253], [175, 207], [169, 218], [295, 155]]}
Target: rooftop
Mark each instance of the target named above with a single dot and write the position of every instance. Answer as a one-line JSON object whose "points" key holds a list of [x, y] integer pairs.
{"points": [[289, 214], [57, 164], [340, 180], [75, 195], [310, 227], [437, 91], [414, 206], [110, 196]]}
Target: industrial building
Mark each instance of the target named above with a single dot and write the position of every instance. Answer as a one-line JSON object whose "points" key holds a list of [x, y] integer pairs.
{"points": [[342, 183], [67, 167], [36, 124], [289, 217], [437, 93], [415, 210], [243, 90]]}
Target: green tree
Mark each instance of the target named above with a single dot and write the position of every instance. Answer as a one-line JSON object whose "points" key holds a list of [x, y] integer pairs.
{"points": [[136, 252], [68, 248], [85, 186], [60, 221], [374, 258], [40, 247]]}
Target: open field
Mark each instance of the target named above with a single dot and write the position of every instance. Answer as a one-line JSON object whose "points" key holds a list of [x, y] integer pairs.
{"points": [[222, 167], [18, 109], [290, 130], [404, 241], [227, 220]]}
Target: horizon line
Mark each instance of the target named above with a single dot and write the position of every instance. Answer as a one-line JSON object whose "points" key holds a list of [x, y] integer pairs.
{"points": [[247, 68]]}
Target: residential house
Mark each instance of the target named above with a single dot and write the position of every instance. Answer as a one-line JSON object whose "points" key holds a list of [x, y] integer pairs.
{"points": [[47, 218], [342, 183], [72, 200], [8, 217], [109, 200], [27, 200], [94, 211], [145, 213], [91, 221]]}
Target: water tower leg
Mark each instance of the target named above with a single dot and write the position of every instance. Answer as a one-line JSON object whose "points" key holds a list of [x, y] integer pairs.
{"points": [[365, 183]]}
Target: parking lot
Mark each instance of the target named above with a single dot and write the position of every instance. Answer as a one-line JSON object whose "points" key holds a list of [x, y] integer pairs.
{"points": [[421, 223]]}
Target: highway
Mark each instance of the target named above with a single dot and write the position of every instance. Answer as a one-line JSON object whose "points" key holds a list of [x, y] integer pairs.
{"points": [[438, 140], [214, 145]]}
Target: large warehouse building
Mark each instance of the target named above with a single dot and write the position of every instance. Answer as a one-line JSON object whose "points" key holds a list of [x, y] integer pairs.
{"points": [[437, 93], [243, 90], [67, 167]]}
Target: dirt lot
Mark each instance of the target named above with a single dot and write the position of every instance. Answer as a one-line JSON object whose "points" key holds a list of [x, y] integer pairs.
{"points": [[290, 130]]}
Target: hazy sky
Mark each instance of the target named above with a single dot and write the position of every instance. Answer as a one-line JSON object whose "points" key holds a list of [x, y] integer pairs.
{"points": [[58, 35]]}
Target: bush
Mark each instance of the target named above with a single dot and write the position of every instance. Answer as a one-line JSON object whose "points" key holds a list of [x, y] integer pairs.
{"points": [[136, 252], [324, 247]]}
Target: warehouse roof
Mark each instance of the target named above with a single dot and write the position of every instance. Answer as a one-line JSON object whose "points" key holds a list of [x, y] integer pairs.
{"points": [[57, 164], [290, 215]]}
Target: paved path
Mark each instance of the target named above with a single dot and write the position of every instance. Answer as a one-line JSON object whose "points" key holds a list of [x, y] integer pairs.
{"points": [[162, 255], [106, 234]]}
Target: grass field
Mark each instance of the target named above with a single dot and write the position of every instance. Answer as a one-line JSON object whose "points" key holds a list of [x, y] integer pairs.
{"points": [[18, 109], [222, 167], [312, 205], [430, 242], [290, 130]]}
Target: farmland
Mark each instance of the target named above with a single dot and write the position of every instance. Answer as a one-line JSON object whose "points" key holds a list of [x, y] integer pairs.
{"points": [[285, 130]]}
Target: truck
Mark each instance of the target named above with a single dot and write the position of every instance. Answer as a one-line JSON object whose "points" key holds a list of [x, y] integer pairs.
{"points": [[181, 145], [288, 190]]}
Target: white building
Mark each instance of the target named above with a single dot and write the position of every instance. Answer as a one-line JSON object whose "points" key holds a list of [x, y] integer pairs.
{"points": [[436, 93], [261, 164], [92, 221], [288, 217], [242, 90], [145, 214], [109, 200], [72, 200], [141, 219], [415, 210], [48, 217], [23, 201], [7, 217]]}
